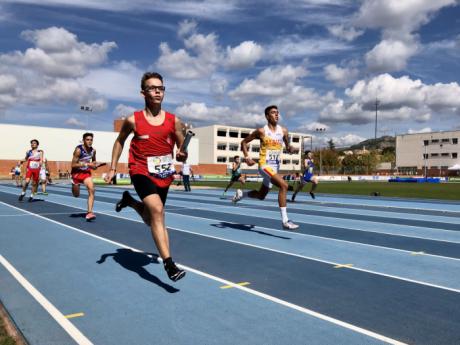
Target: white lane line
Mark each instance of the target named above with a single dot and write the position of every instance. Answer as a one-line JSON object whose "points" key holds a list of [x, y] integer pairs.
{"points": [[27, 215], [316, 236], [345, 227], [235, 285], [272, 249], [115, 214], [50, 308], [320, 202]]}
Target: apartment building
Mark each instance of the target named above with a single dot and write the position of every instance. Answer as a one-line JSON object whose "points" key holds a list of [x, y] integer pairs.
{"points": [[219, 144], [429, 154]]}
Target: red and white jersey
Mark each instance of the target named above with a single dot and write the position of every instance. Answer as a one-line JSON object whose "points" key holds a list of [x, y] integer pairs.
{"points": [[33, 159]]}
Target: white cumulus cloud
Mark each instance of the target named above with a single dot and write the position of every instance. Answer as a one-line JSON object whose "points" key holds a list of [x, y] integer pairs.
{"points": [[340, 76], [246, 54], [390, 55]]}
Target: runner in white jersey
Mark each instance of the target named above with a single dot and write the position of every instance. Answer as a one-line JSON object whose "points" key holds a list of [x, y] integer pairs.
{"points": [[42, 176], [271, 136]]}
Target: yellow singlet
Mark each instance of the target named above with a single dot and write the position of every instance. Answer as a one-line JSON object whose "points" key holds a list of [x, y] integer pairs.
{"points": [[271, 146]]}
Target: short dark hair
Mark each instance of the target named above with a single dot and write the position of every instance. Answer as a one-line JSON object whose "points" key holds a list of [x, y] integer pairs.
{"points": [[307, 152], [236, 157], [35, 141], [88, 134], [270, 107], [150, 75]]}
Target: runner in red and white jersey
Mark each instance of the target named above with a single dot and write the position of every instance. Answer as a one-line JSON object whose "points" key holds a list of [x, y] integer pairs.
{"points": [[83, 161], [34, 161], [151, 163]]}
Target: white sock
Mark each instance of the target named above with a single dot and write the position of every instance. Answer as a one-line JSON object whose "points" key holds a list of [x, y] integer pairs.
{"points": [[23, 193], [284, 214]]}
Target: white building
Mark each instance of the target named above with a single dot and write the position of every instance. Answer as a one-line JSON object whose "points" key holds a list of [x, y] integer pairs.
{"points": [[220, 143], [427, 153]]}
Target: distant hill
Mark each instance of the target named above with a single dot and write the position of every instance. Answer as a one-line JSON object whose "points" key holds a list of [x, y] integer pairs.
{"points": [[373, 144]]}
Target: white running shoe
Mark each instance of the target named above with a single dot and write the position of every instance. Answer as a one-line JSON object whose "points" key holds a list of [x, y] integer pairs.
{"points": [[289, 225], [238, 196]]}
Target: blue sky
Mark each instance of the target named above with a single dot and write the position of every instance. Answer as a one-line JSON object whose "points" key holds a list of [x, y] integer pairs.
{"points": [[323, 62]]}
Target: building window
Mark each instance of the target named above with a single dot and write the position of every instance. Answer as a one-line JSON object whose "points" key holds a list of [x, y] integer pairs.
{"points": [[445, 140], [295, 162], [426, 142], [445, 154], [434, 141], [286, 161], [221, 146], [233, 147], [221, 132], [221, 159], [255, 149], [454, 140], [435, 155], [454, 154], [244, 134], [295, 139], [233, 134], [425, 156]]}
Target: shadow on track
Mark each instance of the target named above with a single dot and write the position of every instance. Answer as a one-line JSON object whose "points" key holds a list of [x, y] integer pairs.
{"points": [[245, 227], [135, 262]]}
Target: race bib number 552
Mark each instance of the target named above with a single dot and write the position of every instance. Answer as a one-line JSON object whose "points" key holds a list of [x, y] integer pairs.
{"points": [[161, 166]]}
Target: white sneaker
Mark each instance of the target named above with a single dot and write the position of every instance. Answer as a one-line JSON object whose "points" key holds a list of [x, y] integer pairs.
{"points": [[238, 196], [289, 225]]}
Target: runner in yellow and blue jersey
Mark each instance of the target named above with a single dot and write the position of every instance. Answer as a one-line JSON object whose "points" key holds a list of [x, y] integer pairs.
{"points": [[308, 176], [271, 136]]}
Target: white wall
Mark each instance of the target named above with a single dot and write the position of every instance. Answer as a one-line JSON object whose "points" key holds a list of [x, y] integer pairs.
{"points": [[59, 143], [410, 149]]}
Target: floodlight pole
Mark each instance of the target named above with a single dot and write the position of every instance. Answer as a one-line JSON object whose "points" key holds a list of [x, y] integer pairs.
{"points": [[320, 130], [377, 102], [86, 109]]}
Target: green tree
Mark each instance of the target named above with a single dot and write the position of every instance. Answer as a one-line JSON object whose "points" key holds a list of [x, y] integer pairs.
{"points": [[369, 162], [331, 145], [351, 164]]}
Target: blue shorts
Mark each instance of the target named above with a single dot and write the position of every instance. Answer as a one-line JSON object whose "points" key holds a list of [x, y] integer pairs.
{"points": [[307, 177]]}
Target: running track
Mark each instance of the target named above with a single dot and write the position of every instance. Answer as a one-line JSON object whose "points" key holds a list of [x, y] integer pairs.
{"points": [[357, 271]]}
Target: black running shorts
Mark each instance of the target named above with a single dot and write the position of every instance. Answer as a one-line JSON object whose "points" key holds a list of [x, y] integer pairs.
{"points": [[145, 187]]}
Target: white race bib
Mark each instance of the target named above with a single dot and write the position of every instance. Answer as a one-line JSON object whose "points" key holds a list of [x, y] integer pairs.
{"points": [[161, 166], [273, 156], [34, 165]]}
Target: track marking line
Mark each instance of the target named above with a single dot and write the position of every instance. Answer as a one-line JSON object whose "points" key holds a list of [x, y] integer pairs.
{"points": [[241, 243], [233, 285], [114, 214], [322, 237], [50, 308], [267, 248], [344, 266], [227, 282], [71, 316], [353, 228], [417, 253]]}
